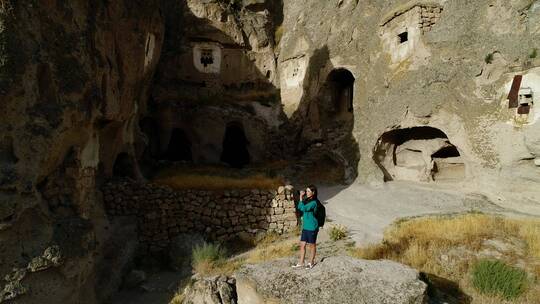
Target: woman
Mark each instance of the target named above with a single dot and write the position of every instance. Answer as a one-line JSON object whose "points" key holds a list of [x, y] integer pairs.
{"points": [[310, 226]]}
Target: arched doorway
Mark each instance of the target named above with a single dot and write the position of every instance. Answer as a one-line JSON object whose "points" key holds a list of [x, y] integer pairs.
{"points": [[328, 129], [418, 154], [235, 146], [341, 89], [179, 148], [123, 166]]}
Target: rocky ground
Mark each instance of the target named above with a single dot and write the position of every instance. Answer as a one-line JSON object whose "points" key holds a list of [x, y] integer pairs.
{"points": [[365, 210], [335, 279], [368, 210]]}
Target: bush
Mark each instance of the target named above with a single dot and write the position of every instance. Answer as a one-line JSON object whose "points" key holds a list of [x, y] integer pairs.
{"points": [[497, 278], [533, 54], [337, 232], [207, 256]]}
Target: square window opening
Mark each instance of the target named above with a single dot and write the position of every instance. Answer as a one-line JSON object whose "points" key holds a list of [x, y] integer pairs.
{"points": [[403, 37], [207, 57]]}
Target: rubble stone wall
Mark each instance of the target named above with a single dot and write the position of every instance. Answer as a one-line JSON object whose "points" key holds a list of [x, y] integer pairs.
{"points": [[163, 213]]}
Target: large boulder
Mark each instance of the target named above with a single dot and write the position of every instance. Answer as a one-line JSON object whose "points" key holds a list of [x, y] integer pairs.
{"points": [[339, 279], [210, 290]]}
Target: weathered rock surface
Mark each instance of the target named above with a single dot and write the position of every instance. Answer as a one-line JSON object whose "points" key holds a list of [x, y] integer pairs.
{"points": [[339, 279], [77, 81], [73, 75], [452, 72], [211, 290]]}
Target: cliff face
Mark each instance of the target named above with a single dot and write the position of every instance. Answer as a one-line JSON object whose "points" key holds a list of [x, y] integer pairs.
{"points": [[435, 91], [73, 75], [76, 82], [428, 75]]}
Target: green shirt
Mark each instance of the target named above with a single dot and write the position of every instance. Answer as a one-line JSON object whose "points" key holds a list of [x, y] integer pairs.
{"points": [[309, 221]]}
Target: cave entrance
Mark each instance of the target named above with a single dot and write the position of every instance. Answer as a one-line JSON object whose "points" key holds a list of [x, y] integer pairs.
{"points": [[341, 84], [235, 146], [328, 130], [179, 148], [418, 154], [123, 166]]}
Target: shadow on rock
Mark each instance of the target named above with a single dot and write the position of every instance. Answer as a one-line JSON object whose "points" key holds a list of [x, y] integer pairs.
{"points": [[441, 290]]}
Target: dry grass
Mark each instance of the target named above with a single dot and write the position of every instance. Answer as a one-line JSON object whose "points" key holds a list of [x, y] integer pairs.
{"points": [[178, 298], [422, 244], [272, 251], [225, 267], [272, 246], [278, 34], [338, 232], [207, 182], [216, 178]]}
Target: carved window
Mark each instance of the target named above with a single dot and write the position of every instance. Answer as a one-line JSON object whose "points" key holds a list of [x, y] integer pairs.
{"points": [[403, 37], [525, 96], [207, 57]]}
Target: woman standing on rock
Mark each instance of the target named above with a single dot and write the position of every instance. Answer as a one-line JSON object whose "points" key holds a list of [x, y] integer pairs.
{"points": [[310, 225]]}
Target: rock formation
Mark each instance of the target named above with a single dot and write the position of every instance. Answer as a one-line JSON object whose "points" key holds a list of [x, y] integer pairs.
{"points": [[368, 91], [445, 65], [337, 279]]}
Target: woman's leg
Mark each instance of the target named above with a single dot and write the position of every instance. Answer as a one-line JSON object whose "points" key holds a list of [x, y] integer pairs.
{"points": [[313, 249], [302, 252]]}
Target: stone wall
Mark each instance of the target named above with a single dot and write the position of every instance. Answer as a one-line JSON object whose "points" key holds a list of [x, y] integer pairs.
{"points": [[163, 213], [428, 17]]}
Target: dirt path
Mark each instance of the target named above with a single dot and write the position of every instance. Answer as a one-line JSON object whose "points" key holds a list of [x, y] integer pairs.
{"points": [[368, 210]]}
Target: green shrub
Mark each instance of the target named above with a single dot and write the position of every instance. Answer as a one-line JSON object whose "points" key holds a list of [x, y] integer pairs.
{"points": [[534, 53], [337, 232], [207, 256], [497, 278]]}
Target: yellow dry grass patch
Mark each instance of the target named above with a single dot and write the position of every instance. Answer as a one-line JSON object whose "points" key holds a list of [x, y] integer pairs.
{"points": [[225, 267], [272, 246], [207, 182], [278, 34], [271, 251], [420, 243], [218, 178], [178, 298]]}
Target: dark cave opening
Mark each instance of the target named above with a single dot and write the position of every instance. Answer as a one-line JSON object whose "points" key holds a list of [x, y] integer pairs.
{"points": [[235, 146], [179, 148], [123, 166], [446, 152], [341, 82]]}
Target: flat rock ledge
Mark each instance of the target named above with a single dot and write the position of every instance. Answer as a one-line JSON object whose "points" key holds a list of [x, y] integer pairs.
{"points": [[339, 279]]}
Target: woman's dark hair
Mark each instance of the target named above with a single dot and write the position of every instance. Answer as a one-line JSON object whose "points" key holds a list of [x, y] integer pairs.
{"points": [[313, 190]]}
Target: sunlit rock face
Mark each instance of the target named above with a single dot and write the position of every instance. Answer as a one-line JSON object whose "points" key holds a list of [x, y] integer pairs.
{"points": [[368, 91], [447, 65]]}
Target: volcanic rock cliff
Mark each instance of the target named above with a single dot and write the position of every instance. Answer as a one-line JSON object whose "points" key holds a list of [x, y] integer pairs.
{"points": [[424, 91]]}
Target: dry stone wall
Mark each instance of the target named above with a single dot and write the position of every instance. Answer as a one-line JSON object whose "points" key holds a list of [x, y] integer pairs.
{"points": [[163, 213], [429, 17]]}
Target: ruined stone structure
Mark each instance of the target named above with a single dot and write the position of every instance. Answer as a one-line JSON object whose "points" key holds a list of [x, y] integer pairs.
{"points": [[163, 213], [369, 91]]}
